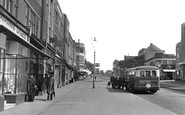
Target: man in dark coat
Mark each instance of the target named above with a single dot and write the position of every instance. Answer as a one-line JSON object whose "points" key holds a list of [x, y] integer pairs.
{"points": [[50, 86], [31, 88]]}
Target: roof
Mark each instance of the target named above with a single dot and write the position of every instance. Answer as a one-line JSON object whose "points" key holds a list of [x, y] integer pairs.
{"points": [[153, 47], [143, 68]]}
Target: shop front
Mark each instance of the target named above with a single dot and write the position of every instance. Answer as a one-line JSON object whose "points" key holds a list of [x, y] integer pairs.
{"points": [[180, 71], [15, 59], [59, 73], [2, 67]]}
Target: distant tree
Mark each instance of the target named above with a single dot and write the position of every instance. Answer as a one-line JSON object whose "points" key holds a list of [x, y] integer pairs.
{"points": [[89, 65]]}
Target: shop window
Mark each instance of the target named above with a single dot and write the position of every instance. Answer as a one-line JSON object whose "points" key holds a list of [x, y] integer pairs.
{"points": [[22, 72], [17, 68], [10, 70], [2, 51]]}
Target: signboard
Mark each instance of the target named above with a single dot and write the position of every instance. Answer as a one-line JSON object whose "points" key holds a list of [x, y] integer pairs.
{"points": [[97, 64], [10, 26]]}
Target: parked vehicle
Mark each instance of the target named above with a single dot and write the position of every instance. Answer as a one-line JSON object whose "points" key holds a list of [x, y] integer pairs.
{"points": [[142, 78]]}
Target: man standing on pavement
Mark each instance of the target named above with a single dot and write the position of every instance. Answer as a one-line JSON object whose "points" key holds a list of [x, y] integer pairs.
{"points": [[31, 88]]}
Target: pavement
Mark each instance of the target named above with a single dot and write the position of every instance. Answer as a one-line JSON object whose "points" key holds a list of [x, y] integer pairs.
{"points": [[173, 85], [40, 103]]}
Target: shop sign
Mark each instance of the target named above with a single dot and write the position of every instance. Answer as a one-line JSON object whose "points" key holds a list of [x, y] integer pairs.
{"points": [[97, 64], [10, 26]]}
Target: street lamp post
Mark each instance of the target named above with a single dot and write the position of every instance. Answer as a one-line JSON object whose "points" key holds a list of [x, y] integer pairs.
{"points": [[94, 63], [94, 70]]}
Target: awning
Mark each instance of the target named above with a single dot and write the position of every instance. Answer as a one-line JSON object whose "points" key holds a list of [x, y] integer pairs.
{"points": [[23, 42], [181, 63], [84, 70], [168, 70]]}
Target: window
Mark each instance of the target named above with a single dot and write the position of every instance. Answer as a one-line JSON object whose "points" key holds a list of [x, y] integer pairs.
{"points": [[142, 73], [11, 6], [164, 61], [56, 17], [169, 61], [33, 21], [177, 55], [62, 28], [77, 58], [152, 63], [148, 73], [49, 31], [4, 3], [8, 5], [154, 73], [16, 8], [27, 15]]}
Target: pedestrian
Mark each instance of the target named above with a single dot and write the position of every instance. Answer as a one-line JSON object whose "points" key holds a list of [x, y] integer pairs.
{"points": [[31, 88], [50, 86]]}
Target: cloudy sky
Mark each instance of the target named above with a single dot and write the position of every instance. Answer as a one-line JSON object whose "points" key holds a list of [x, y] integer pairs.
{"points": [[123, 27]]}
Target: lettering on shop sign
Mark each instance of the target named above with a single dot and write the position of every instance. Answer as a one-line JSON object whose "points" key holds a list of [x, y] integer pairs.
{"points": [[13, 28]]}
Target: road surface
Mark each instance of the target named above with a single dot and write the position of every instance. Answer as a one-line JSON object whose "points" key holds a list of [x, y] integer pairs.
{"points": [[84, 100], [79, 98]]}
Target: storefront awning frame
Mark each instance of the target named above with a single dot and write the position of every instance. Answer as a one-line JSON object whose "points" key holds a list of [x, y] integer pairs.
{"points": [[23, 42]]}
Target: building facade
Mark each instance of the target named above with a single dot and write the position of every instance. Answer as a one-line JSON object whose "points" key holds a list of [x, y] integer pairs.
{"points": [[80, 60], [22, 48], [166, 64], [154, 56], [34, 38], [180, 62]]}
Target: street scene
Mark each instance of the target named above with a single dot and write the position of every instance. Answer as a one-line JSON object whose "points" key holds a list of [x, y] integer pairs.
{"points": [[92, 57], [80, 98]]}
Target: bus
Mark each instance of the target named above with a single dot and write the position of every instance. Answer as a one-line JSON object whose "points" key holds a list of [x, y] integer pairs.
{"points": [[142, 78]]}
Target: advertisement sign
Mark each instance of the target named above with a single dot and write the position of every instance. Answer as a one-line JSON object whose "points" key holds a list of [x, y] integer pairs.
{"points": [[97, 64], [10, 26]]}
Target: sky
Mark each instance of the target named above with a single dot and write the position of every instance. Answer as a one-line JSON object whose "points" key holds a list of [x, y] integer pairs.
{"points": [[123, 27]]}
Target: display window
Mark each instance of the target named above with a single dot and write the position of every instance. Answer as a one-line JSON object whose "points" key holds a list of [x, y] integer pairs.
{"points": [[2, 62], [16, 72]]}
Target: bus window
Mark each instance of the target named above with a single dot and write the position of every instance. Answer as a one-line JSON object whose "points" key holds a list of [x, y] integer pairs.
{"points": [[142, 73], [148, 73], [154, 73]]}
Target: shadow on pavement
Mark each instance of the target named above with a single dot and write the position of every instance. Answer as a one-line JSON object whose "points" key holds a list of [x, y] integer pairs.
{"points": [[116, 90], [41, 99]]}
